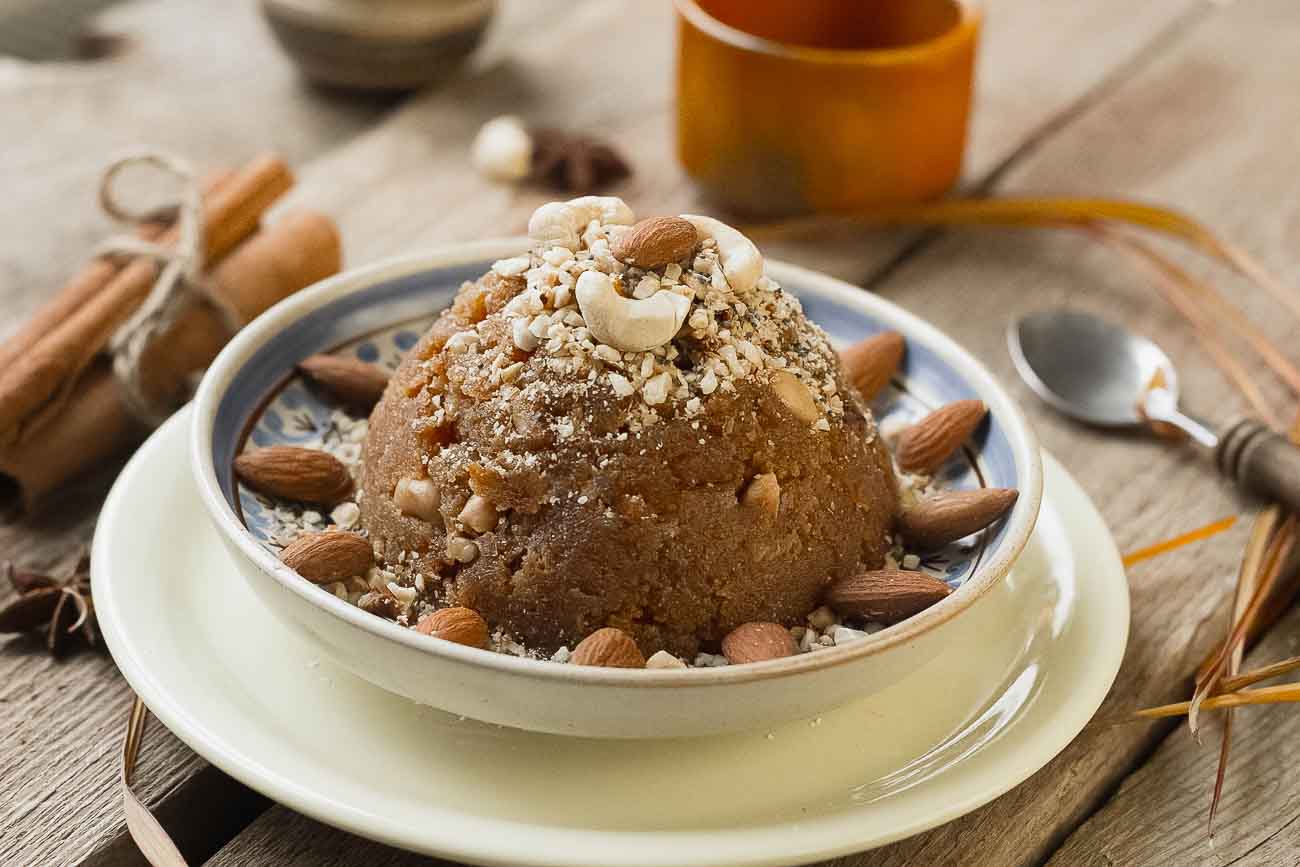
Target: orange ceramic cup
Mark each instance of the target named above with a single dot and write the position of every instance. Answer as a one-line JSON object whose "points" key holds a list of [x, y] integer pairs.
{"points": [[824, 105]]}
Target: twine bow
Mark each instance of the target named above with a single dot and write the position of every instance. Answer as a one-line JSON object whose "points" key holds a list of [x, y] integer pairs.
{"points": [[178, 285]]}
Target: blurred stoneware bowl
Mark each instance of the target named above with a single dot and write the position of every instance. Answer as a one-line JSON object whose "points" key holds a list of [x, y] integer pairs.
{"points": [[378, 44], [250, 395]]}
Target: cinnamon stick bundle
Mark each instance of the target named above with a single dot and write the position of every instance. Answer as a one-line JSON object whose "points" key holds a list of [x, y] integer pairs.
{"points": [[86, 284], [62, 410], [44, 372]]}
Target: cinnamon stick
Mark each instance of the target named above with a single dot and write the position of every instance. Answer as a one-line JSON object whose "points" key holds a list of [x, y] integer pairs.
{"points": [[87, 283], [301, 249], [45, 374], [92, 431], [94, 425]]}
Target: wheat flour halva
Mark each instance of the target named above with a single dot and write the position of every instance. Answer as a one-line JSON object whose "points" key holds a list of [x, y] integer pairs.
{"points": [[628, 425]]}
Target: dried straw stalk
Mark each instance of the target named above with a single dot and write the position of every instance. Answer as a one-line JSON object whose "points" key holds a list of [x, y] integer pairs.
{"points": [[1282, 694]]}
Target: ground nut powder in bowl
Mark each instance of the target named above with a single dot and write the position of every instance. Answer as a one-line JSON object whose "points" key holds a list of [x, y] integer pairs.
{"points": [[580, 442]]}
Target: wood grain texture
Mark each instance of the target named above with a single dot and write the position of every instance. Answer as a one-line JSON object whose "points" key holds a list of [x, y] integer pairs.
{"points": [[185, 83], [1149, 99], [45, 29], [1173, 132], [208, 82], [281, 836], [407, 184], [1177, 597], [204, 81], [61, 728], [1158, 816]]}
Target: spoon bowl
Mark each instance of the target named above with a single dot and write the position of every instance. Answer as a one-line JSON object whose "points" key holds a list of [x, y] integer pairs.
{"points": [[1088, 368], [1102, 374]]}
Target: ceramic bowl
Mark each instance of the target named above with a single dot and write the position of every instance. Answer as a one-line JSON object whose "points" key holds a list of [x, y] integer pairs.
{"points": [[378, 45], [249, 395]]}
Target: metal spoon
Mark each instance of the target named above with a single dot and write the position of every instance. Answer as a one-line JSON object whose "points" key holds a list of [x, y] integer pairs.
{"points": [[1102, 374]]}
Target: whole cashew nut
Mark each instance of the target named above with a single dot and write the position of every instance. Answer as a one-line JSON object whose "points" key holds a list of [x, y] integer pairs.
{"points": [[562, 223], [742, 264], [629, 324]]}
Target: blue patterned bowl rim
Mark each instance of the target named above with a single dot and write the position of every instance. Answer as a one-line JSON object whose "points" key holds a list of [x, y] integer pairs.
{"points": [[260, 357]]}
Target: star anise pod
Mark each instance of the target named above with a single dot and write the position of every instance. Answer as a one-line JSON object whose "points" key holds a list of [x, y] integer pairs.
{"points": [[59, 608], [575, 163]]}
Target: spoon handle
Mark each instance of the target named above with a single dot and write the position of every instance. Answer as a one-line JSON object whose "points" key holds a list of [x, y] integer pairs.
{"points": [[1261, 461]]}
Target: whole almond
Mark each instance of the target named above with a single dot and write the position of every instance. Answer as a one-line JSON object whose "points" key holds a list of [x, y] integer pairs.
{"points": [[608, 648], [655, 242], [887, 595], [294, 473], [353, 382], [461, 625], [870, 364], [756, 642], [796, 396], [923, 447], [942, 518], [334, 555]]}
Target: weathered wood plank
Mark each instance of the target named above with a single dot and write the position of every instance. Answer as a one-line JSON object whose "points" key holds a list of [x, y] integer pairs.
{"points": [[182, 84], [377, 221], [1199, 143], [210, 85], [63, 726], [407, 183], [206, 83], [1159, 814], [1175, 132], [45, 29], [1134, 480], [281, 836]]}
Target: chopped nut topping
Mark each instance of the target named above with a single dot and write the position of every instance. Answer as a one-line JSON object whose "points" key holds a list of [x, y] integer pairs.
{"points": [[547, 347]]}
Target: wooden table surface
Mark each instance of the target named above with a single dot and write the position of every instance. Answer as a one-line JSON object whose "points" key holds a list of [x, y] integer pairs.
{"points": [[1186, 102]]}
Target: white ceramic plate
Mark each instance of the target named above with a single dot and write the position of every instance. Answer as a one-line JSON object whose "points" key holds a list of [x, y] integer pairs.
{"points": [[1028, 666]]}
